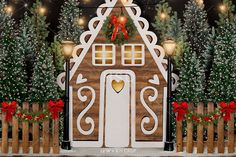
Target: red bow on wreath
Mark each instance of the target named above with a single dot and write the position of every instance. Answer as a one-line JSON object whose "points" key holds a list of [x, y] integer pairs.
{"points": [[55, 108], [9, 109], [180, 109], [226, 109], [119, 23]]}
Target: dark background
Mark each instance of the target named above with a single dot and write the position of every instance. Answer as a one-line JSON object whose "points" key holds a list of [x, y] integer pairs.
{"points": [[147, 6]]}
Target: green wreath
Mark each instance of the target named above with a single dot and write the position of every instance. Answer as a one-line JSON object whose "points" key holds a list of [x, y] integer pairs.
{"points": [[108, 29]]}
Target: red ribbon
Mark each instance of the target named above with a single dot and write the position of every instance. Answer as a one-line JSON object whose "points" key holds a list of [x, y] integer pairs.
{"points": [[55, 108], [180, 109], [9, 109], [118, 23], [226, 109]]}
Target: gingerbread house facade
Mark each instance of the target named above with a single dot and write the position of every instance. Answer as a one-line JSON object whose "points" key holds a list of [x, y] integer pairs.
{"points": [[117, 92]]}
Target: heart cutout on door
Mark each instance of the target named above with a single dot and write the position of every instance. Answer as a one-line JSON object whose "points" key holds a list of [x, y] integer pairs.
{"points": [[118, 85]]}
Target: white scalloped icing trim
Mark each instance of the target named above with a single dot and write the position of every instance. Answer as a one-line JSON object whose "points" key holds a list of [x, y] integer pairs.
{"points": [[93, 32]]}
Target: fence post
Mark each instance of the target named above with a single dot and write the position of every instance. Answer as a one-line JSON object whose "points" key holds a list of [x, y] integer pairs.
{"points": [[200, 144], [4, 134], [15, 132], [46, 143], [231, 134], [36, 139], [189, 146], [179, 137], [210, 130], [25, 131], [220, 133], [55, 136]]}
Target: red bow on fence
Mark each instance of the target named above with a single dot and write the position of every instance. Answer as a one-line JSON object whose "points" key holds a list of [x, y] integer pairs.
{"points": [[55, 108], [9, 109], [119, 23], [226, 109], [180, 109]]}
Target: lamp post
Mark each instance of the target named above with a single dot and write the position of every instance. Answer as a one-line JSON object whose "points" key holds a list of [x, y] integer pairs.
{"points": [[169, 47], [67, 49]]}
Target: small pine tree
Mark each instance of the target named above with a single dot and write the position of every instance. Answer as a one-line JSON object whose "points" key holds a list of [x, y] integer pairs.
{"points": [[39, 24], [13, 76], [168, 25], [223, 74], [226, 12], [44, 86], [68, 27], [162, 19], [196, 27], [192, 78]]}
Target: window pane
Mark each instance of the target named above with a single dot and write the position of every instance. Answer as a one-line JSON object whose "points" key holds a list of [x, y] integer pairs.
{"points": [[98, 61], [128, 61], [108, 48], [98, 55], [128, 55], [98, 48], [138, 55], [138, 48], [109, 55], [109, 61], [128, 48], [138, 61]]}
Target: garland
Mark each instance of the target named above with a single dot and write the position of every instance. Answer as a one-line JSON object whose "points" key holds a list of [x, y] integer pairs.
{"points": [[223, 111], [54, 107], [118, 29]]}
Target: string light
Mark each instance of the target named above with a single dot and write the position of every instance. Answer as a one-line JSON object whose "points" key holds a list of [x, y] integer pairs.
{"points": [[200, 2], [80, 21], [163, 16], [87, 1], [42, 10], [9, 9], [223, 8], [26, 5]]}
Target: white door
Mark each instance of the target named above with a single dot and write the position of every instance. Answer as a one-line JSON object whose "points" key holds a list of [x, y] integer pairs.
{"points": [[117, 110]]}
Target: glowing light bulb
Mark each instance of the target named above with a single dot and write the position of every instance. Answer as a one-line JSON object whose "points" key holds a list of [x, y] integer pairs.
{"points": [[42, 10], [222, 8], [122, 19], [200, 2], [163, 16], [26, 5], [80, 21], [9, 9]]}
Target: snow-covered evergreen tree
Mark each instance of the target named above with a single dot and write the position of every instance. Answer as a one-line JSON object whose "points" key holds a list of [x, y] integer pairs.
{"points": [[223, 74], [69, 28], [44, 86], [209, 51], [192, 78], [13, 76], [196, 27], [39, 24], [26, 44]]}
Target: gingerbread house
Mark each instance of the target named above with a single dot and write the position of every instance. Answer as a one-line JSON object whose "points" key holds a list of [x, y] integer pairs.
{"points": [[117, 92]]}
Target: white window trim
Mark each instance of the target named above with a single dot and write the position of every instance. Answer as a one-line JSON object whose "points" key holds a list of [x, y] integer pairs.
{"points": [[133, 57], [104, 52]]}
